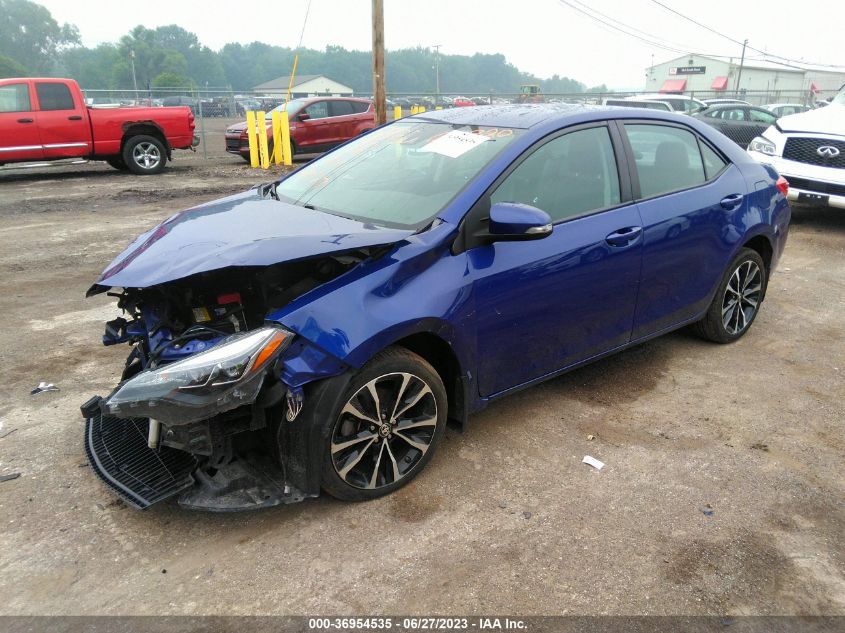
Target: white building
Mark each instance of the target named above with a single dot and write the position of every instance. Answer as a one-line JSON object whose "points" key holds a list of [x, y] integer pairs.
{"points": [[304, 86], [760, 81]]}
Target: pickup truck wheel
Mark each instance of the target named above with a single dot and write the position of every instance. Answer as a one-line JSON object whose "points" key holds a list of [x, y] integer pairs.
{"points": [[117, 163], [144, 155]]}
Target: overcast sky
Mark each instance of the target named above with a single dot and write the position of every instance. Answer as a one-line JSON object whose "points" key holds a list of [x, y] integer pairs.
{"points": [[544, 37]]}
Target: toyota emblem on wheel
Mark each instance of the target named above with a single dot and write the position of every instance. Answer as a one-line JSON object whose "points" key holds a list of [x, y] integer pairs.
{"points": [[828, 151]]}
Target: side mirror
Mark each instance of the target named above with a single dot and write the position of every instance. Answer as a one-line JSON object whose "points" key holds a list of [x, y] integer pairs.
{"points": [[511, 221], [303, 116]]}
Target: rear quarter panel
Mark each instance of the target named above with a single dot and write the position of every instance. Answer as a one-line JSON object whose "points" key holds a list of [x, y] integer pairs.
{"points": [[110, 124]]}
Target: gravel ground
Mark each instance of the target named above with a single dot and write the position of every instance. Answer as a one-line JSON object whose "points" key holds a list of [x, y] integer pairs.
{"points": [[723, 490]]}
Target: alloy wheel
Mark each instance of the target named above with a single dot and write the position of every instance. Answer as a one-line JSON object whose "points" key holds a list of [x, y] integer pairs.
{"points": [[384, 430], [742, 297], [146, 155]]}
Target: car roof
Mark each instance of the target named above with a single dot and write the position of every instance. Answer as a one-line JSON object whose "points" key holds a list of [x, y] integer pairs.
{"points": [[527, 115], [776, 105]]}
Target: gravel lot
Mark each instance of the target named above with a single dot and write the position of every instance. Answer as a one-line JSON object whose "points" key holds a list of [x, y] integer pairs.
{"points": [[723, 490]]}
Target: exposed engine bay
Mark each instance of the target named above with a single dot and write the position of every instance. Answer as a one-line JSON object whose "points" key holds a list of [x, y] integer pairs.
{"points": [[205, 403]]}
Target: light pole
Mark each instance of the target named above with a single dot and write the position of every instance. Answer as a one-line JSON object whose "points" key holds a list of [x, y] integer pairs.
{"points": [[436, 48], [134, 80]]}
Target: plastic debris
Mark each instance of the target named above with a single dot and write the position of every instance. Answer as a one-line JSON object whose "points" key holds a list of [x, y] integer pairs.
{"points": [[44, 386], [527, 515], [9, 477], [707, 510], [590, 438], [592, 461]]}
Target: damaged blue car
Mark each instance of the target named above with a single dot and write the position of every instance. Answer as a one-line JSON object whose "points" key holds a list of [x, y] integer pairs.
{"points": [[319, 332]]}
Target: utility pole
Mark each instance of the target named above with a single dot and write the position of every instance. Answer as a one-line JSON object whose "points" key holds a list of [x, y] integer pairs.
{"points": [[378, 62], [436, 48], [134, 80], [741, 64]]}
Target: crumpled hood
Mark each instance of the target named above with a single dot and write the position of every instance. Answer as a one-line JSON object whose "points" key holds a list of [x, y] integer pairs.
{"points": [[242, 230], [827, 120]]}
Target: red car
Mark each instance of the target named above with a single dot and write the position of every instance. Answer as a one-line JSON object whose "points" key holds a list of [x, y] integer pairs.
{"points": [[462, 102], [48, 120], [316, 124]]}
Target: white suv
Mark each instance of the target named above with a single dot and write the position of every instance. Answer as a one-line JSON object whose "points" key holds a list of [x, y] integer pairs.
{"points": [[808, 149]]}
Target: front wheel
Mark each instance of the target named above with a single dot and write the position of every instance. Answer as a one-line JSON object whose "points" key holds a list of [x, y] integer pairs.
{"points": [[737, 300], [144, 155], [117, 163], [390, 422]]}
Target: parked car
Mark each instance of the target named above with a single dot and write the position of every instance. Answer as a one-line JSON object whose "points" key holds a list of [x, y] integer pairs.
{"points": [[739, 123], [785, 109], [679, 103], [638, 103], [462, 102], [724, 101], [47, 119], [316, 124], [181, 100], [319, 331], [808, 149]]}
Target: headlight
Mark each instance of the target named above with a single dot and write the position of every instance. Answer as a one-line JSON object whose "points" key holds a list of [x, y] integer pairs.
{"points": [[763, 145], [221, 378]]}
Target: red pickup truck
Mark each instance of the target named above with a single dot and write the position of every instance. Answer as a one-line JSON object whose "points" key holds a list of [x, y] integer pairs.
{"points": [[47, 120]]}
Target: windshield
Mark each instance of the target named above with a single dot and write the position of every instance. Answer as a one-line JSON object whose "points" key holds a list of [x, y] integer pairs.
{"points": [[840, 96], [400, 175], [291, 106]]}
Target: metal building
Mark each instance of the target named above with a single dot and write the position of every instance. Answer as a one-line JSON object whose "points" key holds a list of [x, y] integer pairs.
{"points": [[758, 81], [304, 86]]}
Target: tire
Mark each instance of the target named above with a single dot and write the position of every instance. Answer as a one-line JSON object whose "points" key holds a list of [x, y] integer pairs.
{"points": [[397, 450], [746, 277], [144, 155], [117, 163]]}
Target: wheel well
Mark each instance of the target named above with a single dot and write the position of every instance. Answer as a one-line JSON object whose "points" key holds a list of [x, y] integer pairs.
{"points": [[441, 356], [763, 247], [150, 129]]}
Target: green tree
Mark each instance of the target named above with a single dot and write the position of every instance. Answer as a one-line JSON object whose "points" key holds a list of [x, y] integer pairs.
{"points": [[172, 80], [10, 68], [30, 36]]}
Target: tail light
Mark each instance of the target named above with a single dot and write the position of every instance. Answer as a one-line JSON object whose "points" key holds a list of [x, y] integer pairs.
{"points": [[783, 185], [191, 124]]}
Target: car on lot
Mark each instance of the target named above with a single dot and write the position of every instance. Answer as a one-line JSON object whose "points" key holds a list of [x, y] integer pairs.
{"points": [[679, 103], [809, 150], [462, 102], [316, 124], [48, 119], [724, 101], [318, 332], [638, 103], [785, 109], [738, 122]]}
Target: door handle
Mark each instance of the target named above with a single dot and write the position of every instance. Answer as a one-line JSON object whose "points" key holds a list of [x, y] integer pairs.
{"points": [[25, 121], [732, 201], [625, 236], [75, 117]]}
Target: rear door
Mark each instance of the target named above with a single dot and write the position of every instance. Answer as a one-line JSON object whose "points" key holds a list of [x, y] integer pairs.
{"points": [[759, 120], [19, 138], [691, 200], [547, 304], [62, 121]]}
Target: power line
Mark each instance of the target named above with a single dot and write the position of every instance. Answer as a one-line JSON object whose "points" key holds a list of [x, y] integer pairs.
{"points": [[756, 50], [304, 22], [628, 26]]}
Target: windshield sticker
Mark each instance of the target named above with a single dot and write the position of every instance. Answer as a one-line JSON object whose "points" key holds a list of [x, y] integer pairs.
{"points": [[454, 144]]}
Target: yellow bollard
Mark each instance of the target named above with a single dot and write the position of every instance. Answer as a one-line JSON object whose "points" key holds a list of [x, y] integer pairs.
{"points": [[253, 144], [261, 131], [397, 113], [277, 139], [421, 109], [287, 153], [413, 110], [439, 108]]}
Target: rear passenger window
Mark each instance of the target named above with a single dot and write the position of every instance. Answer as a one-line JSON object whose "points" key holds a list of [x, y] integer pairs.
{"points": [[667, 158], [567, 177], [14, 98], [54, 96], [713, 163], [359, 106], [339, 108]]}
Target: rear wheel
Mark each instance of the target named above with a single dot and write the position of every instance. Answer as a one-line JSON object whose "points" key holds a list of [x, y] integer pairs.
{"points": [[392, 418], [737, 300], [144, 155]]}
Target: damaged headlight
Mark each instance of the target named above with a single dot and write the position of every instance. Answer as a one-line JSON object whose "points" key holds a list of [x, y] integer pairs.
{"points": [[221, 378]]}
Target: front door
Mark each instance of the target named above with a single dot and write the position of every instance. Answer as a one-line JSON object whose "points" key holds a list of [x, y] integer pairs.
{"points": [[63, 123], [316, 131], [544, 305], [19, 138]]}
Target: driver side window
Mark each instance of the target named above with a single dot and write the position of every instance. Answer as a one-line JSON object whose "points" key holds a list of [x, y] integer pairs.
{"points": [[566, 177], [319, 110]]}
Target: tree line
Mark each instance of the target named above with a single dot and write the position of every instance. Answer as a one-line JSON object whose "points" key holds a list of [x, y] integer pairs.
{"points": [[32, 43]]}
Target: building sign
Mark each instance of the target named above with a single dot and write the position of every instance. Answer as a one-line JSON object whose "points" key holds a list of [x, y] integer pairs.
{"points": [[688, 70]]}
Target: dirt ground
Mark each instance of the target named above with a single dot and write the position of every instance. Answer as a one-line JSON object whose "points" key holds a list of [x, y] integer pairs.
{"points": [[723, 491]]}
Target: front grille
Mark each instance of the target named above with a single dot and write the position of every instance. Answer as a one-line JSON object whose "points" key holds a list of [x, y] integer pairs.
{"points": [[118, 452], [816, 187], [233, 144], [803, 150]]}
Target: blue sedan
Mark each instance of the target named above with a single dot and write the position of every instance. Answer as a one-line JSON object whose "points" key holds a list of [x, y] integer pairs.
{"points": [[318, 332]]}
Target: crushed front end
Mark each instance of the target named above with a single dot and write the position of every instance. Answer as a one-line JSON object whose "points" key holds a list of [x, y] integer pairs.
{"points": [[208, 405]]}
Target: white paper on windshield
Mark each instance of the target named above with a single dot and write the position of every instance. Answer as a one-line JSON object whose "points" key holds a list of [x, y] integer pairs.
{"points": [[454, 144]]}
